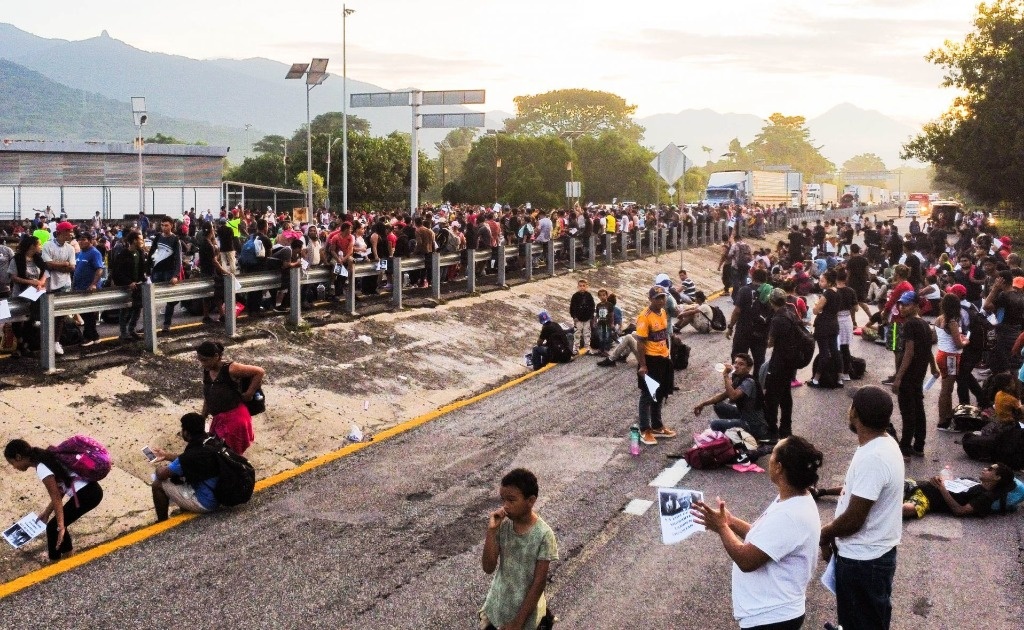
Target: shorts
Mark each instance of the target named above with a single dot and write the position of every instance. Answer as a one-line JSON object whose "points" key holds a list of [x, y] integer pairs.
{"points": [[184, 496], [949, 363]]}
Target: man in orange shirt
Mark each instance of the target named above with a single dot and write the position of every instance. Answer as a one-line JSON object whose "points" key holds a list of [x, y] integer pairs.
{"points": [[654, 362]]}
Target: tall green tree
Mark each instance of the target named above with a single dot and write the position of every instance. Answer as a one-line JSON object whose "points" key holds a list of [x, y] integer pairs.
{"points": [[533, 169], [611, 166], [977, 145], [574, 112], [864, 163], [786, 140]]}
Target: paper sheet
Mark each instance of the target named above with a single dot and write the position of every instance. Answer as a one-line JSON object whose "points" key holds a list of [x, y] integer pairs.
{"points": [[959, 485], [32, 293], [652, 386], [24, 530], [5, 309], [341, 270], [677, 523], [828, 578], [237, 283]]}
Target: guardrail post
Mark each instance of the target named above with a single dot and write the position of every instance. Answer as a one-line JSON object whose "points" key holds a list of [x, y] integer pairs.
{"points": [[608, 244], [591, 253], [624, 239], [470, 270], [435, 275], [572, 253], [502, 263], [549, 251], [663, 239], [714, 232], [639, 239], [652, 238], [47, 357], [396, 282], [350, 291], [230, 296], [295, 296], [149, 317], [526, 253]]}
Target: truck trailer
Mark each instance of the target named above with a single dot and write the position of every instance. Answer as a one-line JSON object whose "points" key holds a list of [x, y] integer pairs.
{"points": [[768, 188]]}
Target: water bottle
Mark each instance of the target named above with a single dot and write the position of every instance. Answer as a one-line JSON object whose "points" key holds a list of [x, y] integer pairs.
{"points": [[634, 440], [946, 474]]}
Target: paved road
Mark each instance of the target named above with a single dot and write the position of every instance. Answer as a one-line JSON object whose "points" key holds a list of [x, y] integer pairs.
{"points": [[391, 537]]}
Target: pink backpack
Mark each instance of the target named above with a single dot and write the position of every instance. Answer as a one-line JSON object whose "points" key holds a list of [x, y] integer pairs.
{"points": [[84, 457]]}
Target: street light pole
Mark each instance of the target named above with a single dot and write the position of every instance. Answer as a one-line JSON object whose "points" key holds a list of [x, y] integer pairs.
{"points": [[309, 158], [315, 73], [141, 118], [345, 12], [330, 147]]}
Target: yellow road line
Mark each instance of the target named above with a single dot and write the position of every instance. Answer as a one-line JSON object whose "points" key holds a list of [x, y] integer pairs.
{"points": [[139, 535]]}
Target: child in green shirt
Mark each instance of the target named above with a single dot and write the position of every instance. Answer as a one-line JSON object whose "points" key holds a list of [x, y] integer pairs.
{"points": [[520, 546]]}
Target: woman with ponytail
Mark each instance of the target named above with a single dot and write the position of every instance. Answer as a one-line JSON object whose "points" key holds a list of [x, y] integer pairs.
{"points": [[60, 484], [773, 558], [223, 396]]}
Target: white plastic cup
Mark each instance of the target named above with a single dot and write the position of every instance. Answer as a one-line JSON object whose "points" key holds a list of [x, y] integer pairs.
{"points": [[719, 367]]}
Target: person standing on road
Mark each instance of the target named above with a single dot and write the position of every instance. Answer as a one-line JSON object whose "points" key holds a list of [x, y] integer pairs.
{"points": [[773, 558], [88, 274], [653, 361], [916, 359], [60, 484], [165, 263], [750, 317], [778, 384], [518, 549], [869, 517], [581, 309]]}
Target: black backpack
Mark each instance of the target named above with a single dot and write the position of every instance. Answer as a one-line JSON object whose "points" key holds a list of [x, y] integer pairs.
{"points": [[801, 351], [717, 320], [981, 329], [237, 477], [680, 356]]}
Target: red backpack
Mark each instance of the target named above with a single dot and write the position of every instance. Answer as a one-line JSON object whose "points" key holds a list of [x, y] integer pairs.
{"points": [[712, 454]]}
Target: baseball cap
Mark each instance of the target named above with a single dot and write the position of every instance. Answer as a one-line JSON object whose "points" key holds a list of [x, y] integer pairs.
{"points": [[543, 317], [656, 291], [65, 226], [777, 296], [662, 280], [798, 266], [1018, 282], [872, 404], [1005, 240], [908, 297], [958, 290]]}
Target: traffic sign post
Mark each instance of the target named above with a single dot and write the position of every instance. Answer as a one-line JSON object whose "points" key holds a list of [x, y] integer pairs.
{"points": [[415, 99], [671, 164]]}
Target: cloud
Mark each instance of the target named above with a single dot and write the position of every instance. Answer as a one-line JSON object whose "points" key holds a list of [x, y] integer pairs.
{"points": [[405, 66]]}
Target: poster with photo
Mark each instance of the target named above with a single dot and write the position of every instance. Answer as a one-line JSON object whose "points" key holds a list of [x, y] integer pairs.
{"points": [[24, 530], [677, 523]]}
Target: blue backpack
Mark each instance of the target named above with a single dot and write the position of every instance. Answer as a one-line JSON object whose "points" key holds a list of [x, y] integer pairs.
{"points": [[1013, 498], [248, 256]]}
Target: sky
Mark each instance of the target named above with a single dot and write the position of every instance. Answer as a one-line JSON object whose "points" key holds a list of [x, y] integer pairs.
{"points": [[798, 57]]}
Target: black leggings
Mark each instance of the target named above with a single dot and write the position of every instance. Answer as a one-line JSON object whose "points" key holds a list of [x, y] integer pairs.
{"points": [[792, 624], [88, 498]]}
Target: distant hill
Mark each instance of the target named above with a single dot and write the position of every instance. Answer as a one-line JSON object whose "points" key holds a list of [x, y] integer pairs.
{"points": [[33, 107]]}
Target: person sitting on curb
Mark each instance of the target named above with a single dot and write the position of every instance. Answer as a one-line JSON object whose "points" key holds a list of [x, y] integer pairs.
{"points": [[552, 343], [188, 480], [933, 496], [698, 315], [741, 404]]}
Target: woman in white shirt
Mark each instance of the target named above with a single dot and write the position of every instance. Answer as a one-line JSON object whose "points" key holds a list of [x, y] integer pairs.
{"points": [[950, 343], [60, 484], [774, 557]]}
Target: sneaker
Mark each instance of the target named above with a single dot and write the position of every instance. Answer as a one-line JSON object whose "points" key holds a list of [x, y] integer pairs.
{"points": [[623, 359], [664, 432], [87, 343], [813, 383], [605, 363], [165, 328], [917, 452], [281, 308], [57, 348], [795, 383], [845, 377], [946, 426], [647, 437], [889, 380]]}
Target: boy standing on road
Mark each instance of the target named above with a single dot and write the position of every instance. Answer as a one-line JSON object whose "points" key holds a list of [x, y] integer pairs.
{"points": [[653, 360], [520, 546], [915, 360], [581, 308]]}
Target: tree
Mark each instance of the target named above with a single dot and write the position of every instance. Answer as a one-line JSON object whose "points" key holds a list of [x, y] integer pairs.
{"points": [[451, 155], [160, 138], [706, 149], [561, 112], [532, 170], [785, 140], [263, 169], [977, 145], [270, 145], [865, 164], [610, 166], [319, 192]]}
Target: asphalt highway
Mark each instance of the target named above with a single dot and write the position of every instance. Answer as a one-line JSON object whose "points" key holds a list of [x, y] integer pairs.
{"points": [[391, 536]]}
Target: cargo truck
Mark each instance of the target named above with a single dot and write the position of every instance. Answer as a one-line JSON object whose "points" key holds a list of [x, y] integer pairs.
{"points": [[768, 188], [820, 195]]}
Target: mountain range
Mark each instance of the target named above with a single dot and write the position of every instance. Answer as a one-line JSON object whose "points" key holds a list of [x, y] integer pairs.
{"points": [[60, 89]]}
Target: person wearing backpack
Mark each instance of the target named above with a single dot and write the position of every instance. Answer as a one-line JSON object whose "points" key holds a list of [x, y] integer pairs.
{"points": [[741, 402], [82, 495], [189, 479], [224, 397], [740, 256], [750, 317], [783, 339]]}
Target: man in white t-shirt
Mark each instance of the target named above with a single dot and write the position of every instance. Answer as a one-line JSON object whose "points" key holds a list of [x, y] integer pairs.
{"points": [[59, 258], [869, 519]]}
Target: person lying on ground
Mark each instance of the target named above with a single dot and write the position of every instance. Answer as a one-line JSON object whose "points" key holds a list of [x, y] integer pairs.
{"points": [[933, 496]]}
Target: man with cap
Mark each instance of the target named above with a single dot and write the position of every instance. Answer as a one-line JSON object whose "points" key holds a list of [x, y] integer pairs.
{"points": [[59, 258], [653, 360], [869, 516], [1007, 295], [915, 359], [552, 345]]}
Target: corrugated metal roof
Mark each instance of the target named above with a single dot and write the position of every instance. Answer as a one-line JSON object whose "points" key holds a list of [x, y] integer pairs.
{"points": [[105, 148]]}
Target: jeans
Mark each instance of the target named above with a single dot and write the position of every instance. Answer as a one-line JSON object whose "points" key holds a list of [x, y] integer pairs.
{"points": [[650, 412], [966, 384], [744, 340], [89, 332], [778, 395], [166, 276], [864, 591], [128, 319], [911, 402], [88, 498]]}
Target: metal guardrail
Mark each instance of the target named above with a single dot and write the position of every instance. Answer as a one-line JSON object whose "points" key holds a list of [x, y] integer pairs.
{"points": [[620, 246]]}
